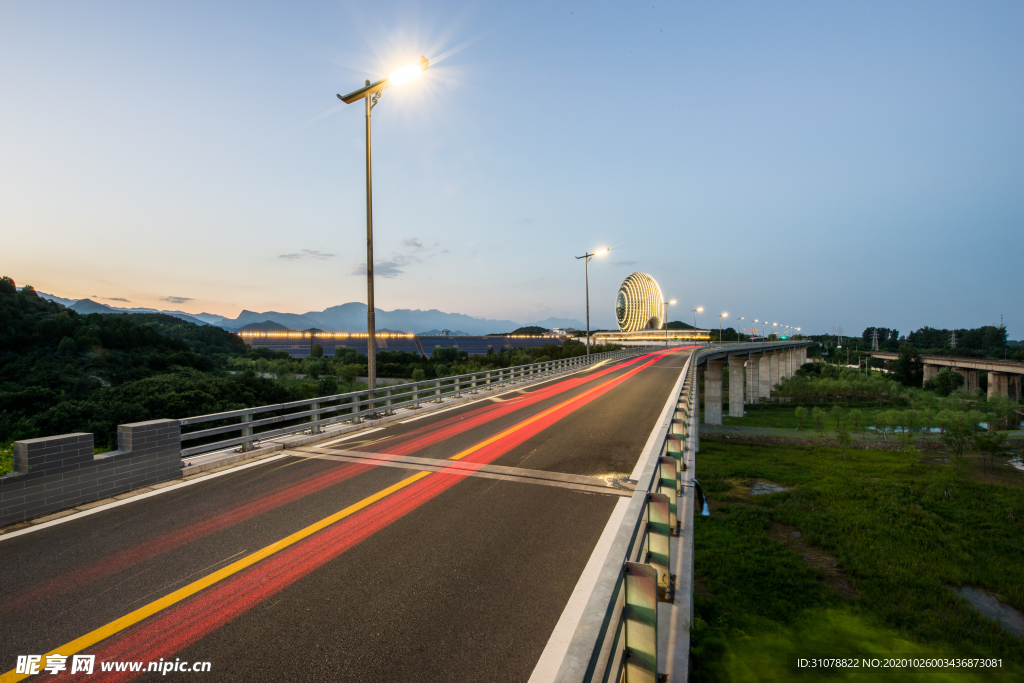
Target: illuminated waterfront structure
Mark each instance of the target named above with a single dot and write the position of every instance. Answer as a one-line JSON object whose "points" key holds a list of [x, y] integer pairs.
{"points": [[639, 304]]}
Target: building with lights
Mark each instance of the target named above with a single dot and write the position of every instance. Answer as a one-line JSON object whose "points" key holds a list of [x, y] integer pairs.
{"points": [[639, 304], [639, 309], [300, 344]]}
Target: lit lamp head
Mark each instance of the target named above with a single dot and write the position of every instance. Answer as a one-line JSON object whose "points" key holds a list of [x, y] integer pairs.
{"points": [[400, 77], [672, 302]]}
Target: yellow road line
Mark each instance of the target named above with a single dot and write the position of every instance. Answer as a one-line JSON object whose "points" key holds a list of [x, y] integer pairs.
{"points": [[114, 627], [132, 618]]}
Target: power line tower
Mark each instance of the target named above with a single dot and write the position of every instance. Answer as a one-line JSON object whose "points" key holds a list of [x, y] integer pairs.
{"points": [[874, 339], [952, 340]]}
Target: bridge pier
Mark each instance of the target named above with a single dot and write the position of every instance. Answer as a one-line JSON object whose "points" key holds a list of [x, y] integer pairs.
{"points": [[930, 371], [970, 378], [764, 376], [773, 369], [736, 385], [753, 385], [998, 384], [713, 392]]}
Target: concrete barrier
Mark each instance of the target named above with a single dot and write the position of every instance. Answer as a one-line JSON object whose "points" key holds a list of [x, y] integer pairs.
{"points": [[58, 472]]}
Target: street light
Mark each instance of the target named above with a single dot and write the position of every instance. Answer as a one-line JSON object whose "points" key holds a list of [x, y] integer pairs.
{"points": [[773, 331], [666, 319], [739, 324], [720, 316], [699, 309], [371, 92], [599, 252]]}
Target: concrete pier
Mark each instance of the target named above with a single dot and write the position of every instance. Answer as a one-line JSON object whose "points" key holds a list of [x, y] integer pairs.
{"points": [[753, 385], [736, 396], [764, 374], [713, 392]]}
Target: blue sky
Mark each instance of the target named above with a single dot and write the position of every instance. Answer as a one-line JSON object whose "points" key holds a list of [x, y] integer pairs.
{"points": [[815, 164]]}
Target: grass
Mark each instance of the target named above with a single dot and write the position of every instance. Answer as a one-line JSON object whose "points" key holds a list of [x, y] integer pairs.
{"points": [[6, 458], [885, 536]]}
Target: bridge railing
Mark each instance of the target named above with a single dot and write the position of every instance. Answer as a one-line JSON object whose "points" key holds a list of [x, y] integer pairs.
{"points": [[248, 426], [617, 636]]}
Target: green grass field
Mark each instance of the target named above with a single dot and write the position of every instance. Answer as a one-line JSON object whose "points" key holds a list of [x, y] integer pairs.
{"points": [[860, 556]]}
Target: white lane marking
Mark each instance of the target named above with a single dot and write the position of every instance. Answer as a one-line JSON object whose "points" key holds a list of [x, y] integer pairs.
{"points": [[118, 503], [666, 416], [350, 436], [558, 644]]}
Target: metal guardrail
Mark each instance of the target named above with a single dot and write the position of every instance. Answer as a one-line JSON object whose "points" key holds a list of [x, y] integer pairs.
{"points": [[617, 637], [311, 415]]}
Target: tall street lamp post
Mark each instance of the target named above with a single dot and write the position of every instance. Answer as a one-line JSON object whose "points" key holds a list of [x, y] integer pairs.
{"points": [[586, 268], [371, 93], [720, 316], [666, 319], [739, 326], [699, 309]]}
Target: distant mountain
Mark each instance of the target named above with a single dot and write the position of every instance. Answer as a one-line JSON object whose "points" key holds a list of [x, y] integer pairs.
{"points": [[87, 306], [265, 326], [51, 297], [551, 323], [350, 317]]}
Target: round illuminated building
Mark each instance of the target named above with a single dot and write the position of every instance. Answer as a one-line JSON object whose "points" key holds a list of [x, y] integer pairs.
{"points": [[639, 304]]}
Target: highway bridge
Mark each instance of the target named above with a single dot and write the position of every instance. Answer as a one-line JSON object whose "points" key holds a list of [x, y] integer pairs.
{"points": [[530, 529], [1004, 376]]}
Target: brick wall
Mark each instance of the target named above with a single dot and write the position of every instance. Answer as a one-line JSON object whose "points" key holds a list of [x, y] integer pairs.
{"points": [[58, 472]]}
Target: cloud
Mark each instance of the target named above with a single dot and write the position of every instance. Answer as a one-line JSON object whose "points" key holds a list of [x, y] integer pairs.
{"points": [[412, 243], [624, 263], [117, 298], [306, 253], [392, 268], [176, 299]]}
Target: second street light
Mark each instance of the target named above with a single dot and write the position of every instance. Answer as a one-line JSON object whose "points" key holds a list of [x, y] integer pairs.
{"points": [[699, 309], [371, 93], [586, 262], [720, 316], [667, 303]]}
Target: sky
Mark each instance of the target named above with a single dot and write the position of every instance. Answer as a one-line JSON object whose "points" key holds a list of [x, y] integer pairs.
{"points": [[820, 165]]}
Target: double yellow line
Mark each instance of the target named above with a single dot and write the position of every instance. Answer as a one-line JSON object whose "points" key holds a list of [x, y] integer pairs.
{"points": [[132, 618]]}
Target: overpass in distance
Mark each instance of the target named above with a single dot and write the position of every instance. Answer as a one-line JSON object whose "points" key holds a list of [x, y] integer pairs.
{"points": [[490, 539], [1004, 376]]}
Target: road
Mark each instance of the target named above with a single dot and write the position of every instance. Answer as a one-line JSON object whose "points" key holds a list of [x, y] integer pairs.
{"points": [[368, 559]]}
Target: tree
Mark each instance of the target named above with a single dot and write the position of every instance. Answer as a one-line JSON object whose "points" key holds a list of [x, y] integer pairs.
{"points": [[884, 421], [67, 345], [7, 286], [839, 416], [991, 443], [945, 382], [818, 415], [801, 415], [327, 386], [907, 369], [843, 437], [857, 418], [957, 434], [317, 352]]}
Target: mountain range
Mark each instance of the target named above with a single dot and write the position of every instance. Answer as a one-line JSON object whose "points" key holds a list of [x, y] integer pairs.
{"points": [[350, 317]]}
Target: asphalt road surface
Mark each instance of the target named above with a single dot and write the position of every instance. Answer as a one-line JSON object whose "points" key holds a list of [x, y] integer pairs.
{"points": [[444, 548]]}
